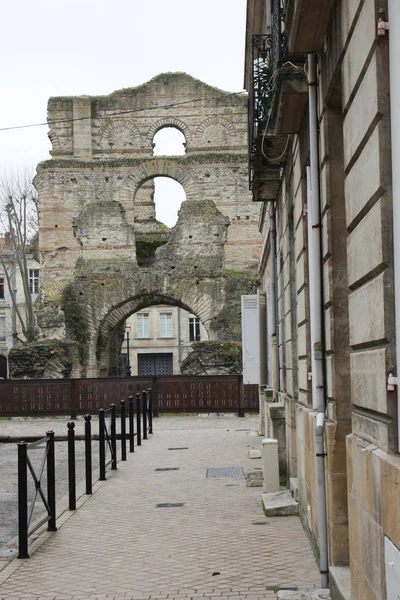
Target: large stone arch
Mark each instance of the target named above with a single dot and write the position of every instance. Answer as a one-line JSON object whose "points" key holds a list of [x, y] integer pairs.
{"points": [[166, 167], [169, 122]]}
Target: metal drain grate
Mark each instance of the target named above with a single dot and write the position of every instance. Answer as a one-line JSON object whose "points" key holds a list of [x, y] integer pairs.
{"points": [[259, 523], [225, 472], [170, 505], [184, 448], [168, 469]]}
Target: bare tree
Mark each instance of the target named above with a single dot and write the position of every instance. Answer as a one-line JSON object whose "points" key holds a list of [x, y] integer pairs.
{"points": [[19, 222]]}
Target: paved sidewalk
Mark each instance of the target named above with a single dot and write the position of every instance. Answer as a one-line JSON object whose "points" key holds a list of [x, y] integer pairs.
{"points": [[127, 542]]}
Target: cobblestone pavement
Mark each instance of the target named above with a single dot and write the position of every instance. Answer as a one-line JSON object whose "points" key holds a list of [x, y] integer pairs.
{"points": [[170, 534]]}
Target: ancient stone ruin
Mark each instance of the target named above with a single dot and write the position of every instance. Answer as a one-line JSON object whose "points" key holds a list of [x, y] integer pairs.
{"points": [[103, 253]]}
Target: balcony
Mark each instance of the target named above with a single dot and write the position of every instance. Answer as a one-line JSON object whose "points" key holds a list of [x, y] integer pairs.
{"points": [[306, 22], [278, 94]]}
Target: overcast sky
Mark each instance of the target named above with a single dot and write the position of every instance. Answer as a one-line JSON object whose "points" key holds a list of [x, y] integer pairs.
{"points": [[74, 47]]}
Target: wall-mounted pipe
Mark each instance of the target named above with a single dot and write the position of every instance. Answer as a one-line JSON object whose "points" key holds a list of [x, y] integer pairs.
{"points": [[315, 285], [394, 53], [274, 304]]}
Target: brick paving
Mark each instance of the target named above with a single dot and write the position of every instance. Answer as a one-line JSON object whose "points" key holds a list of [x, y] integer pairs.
{"points": [[120, 545]]}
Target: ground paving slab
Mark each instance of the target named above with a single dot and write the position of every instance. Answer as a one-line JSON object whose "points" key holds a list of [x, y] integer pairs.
{"points": [[160, 529]]}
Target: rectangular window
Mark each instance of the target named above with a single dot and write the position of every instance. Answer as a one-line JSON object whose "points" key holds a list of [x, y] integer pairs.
{"points": [[165, 325], [34, 281], [1, 288], [142, 320], [194, 329], [2, 329]]}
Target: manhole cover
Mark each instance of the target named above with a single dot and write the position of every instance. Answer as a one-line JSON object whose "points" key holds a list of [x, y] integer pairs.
{"points": [[225, 472], [184, 448], [170, 505], [168, 469]]}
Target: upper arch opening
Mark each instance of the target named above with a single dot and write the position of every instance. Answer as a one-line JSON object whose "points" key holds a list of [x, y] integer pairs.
{"points": [[169, 141]]}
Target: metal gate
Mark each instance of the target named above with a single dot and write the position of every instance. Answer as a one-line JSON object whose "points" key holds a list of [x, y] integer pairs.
{"points": [[154, 364]]}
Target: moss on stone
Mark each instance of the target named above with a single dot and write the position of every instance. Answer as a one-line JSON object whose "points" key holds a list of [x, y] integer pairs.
{"points": [[146, 249], [196, 158], [75, 319], [208, 358], [43, 359]]}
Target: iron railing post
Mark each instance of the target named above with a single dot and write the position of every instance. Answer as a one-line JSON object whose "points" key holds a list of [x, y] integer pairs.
{"points": [[113, 437], [71, 466], [150, 396], [123, 430], [51, 481], [131, 426], [102, 445], [88, 453], [138, 424], [22, 500], [144, 402]]}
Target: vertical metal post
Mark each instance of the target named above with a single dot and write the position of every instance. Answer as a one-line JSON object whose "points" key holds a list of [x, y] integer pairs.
{"points": [[88, 453], [102, 445], [22, 500], [144, 402], [138, 424], [71, 466], [113, 437], [240, 396], [131, 426], [123, 430], [150, 396], [51, 481]]}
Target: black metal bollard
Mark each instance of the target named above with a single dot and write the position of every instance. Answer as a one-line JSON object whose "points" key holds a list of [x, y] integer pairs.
{"points": [[51, 481], [113, 437], [71, 466], [131, 426], [150, 397], [144, 402], [22, 500], [88, 453], [123, 430], [138, 424], [102, 444]]}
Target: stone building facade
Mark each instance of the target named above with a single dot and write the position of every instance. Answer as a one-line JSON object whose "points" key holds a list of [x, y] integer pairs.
{"points": [[328, 143], [104, 255], [160, 339], [10, 325]]}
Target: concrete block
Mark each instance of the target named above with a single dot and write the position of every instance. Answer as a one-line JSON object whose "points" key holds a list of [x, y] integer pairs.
{"points": [[363, 181], [253, 453], [363, 110], [362, 39], [364, 246], [368, 379], [366, 312], [276, 504], [339, 582]]}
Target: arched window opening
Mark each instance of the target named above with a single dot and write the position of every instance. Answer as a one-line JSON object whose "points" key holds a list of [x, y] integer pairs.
{"points": [[169, 141], [168, 197], [157, 339]]}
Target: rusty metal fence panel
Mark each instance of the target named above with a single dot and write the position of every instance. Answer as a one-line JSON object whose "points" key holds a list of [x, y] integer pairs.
{"points": [[183, 394], [32, 397], [171, 394]]}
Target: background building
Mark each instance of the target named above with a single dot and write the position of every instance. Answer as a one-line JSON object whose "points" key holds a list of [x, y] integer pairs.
{"points": [[322, 144], [160, 338], [10, 326]]}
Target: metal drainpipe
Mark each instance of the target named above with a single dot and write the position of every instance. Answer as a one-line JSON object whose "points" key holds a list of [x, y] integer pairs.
{"points": [[179, 340], [274, 289], [394, 53], [315, 276]]}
